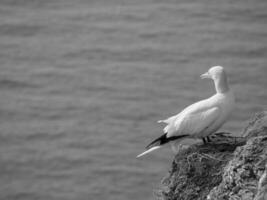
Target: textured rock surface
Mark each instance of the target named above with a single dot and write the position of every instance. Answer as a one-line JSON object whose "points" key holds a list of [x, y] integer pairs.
{"points": [[227, 168]]}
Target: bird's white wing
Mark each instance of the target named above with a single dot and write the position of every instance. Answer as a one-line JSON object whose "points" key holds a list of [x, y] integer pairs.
{"points": [[168, 120], [193, 123]]}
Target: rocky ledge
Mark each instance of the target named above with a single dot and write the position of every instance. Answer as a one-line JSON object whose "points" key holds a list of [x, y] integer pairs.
{"points": [[227, 168]]}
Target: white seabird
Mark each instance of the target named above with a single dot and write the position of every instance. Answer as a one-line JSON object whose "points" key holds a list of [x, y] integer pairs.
{"points": [[200, 119]]}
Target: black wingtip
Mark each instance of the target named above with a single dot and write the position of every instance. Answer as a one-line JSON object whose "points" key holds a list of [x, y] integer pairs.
{"points": [[159, 141], [163, 140]]}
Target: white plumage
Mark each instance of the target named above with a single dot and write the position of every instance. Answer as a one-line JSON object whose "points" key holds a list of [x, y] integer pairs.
{"points": [[202, 118]]}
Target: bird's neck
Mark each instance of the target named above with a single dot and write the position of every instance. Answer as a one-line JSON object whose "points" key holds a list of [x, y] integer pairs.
{"points": [[221, 84]]}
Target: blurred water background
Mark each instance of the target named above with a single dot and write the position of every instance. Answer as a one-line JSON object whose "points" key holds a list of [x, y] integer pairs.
{"points": [[83, 83]]}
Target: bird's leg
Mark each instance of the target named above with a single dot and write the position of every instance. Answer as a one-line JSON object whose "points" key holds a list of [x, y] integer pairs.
{"points": [[206, 140]]}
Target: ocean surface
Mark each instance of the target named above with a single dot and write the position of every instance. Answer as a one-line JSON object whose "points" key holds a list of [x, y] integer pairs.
{"points": [[83, 83]]}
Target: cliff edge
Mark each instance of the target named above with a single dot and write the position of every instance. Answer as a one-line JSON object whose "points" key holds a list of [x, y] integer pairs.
{"points": [[227, 168]]}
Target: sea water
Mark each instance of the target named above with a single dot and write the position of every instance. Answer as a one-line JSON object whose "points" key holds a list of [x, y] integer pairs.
{"points": [[83, 83]]}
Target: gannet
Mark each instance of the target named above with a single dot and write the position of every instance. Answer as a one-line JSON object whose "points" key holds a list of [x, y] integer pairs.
{"points": [[200, 119]]}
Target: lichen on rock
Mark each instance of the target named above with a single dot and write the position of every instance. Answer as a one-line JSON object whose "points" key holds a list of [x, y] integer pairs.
{"points": [[241, 175], [231, 168]]}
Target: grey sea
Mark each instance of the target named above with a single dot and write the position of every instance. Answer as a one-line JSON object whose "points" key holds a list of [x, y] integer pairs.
{"points": [[83, 83]]}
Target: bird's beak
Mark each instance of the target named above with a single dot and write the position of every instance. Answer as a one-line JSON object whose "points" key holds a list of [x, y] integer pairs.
{"points": [[205, 75]]}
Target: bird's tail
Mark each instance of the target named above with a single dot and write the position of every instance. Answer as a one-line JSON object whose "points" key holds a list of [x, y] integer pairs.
{"points": [[148, 151], [159, 142]]}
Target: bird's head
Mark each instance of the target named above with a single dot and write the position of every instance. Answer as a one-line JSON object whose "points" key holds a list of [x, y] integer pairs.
{"points": [[214, 73], [218, 75]]}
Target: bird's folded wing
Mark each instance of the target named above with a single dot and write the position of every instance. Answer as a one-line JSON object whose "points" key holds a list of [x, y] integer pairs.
{"points": [[193, 123], [168, 120]]}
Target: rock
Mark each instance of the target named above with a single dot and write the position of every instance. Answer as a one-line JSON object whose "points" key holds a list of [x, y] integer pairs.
{"points": [[262, 186], [257, 125], [229, 167]]}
